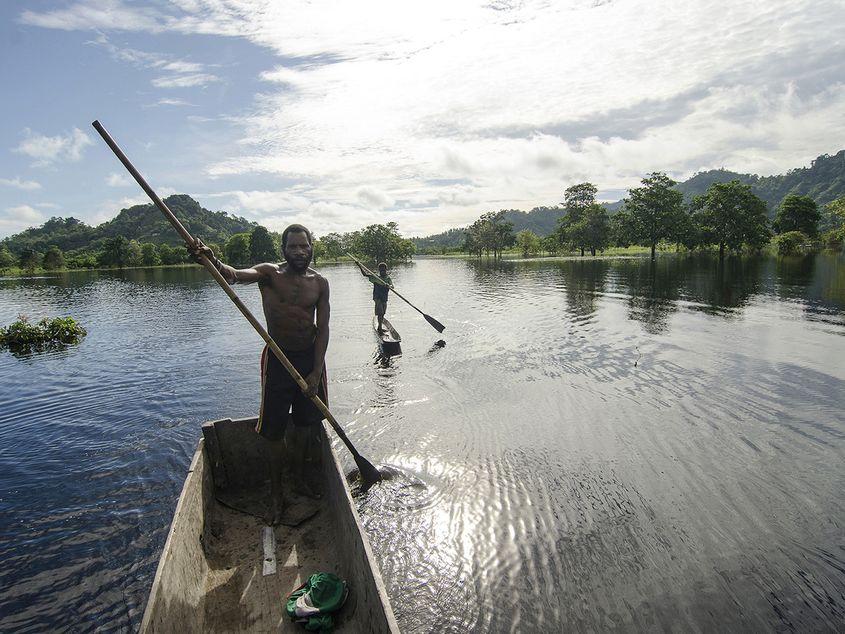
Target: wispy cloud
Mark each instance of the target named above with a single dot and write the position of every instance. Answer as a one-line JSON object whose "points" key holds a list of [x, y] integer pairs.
{"points": [[23, 212], [179, 73], [169, 102], [323, 214], [20, 184], [184, 81], [97, 14], [183, 67], [432, 113], [18, 218], [118, 180], [108, 209], [520, 103], [47, 150], [374, 198]]}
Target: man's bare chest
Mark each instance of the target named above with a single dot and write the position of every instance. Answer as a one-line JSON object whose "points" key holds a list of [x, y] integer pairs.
{"points": [[289, 290]]}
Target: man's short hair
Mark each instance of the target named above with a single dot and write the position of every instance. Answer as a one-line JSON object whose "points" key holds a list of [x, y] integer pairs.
{"points": [[295, 229]]}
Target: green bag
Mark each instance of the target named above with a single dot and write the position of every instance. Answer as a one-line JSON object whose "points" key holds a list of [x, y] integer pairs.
{"points": [[313, 602]]}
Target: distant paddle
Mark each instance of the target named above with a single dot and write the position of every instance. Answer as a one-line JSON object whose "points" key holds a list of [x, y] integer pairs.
{"points": [[431, 320], [369, 474]]}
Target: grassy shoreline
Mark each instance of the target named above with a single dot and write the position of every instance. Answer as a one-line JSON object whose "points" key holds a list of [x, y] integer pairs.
{"points": [[19, 272], [510, 255]]}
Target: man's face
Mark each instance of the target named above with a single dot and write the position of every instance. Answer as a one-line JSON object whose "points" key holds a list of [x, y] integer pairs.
{"points": [[298, 251], [382, 270]]}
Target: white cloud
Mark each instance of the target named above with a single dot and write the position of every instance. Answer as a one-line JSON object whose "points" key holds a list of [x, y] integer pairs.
{"points": [[165, 101], [16, 219], [183, 67], [184, 81], [431, 113], [374, 198], [96, 14], [180, 73], [277, 209], [19, 184], [282, 75], [24, 213], [118, 180], [108, 209], [47, 150], [458, 195], [520, 104]]}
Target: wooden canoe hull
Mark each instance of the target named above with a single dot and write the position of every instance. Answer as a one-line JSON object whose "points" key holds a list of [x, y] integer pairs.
{"points": [[389, 339], [210, 575]]}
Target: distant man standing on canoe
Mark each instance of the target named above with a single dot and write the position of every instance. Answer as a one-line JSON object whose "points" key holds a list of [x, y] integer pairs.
{"points": [[296, 306], [381, 288]]}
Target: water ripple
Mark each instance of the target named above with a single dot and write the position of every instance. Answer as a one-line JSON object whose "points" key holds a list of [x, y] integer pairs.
{"points": [[599, 445]]}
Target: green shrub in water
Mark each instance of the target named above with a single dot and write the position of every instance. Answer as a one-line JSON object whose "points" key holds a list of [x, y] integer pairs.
{"points": [[23, 336], [791, 242]]}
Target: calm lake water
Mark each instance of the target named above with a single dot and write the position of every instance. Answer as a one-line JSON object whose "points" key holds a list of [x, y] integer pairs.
{"points": [[600, 445]]}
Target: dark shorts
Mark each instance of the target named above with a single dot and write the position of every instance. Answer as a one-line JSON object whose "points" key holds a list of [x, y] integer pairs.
{"points": [[281, 397], [381, 307]]}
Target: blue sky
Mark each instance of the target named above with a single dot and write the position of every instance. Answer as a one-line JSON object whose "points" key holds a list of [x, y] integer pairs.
{"points": [[338, 115]]}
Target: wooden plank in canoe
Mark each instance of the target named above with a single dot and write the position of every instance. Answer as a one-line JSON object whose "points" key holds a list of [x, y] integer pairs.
{"points": [[210, 577]]}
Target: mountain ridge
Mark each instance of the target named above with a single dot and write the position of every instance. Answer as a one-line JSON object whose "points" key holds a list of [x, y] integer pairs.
{"points": [[143, 223], [823, 181]]}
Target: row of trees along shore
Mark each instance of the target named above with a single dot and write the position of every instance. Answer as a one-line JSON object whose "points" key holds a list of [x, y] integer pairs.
{"points": [[241, 249], [375, 243], [729, 216]]}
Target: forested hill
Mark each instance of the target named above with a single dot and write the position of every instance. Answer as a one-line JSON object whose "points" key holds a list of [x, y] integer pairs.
{"points": [[144, 223], [823, 181], [540, 220]]}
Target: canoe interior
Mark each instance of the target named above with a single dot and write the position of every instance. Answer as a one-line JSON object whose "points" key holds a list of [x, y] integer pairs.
{"points": [[210, 576], [389, 338]]}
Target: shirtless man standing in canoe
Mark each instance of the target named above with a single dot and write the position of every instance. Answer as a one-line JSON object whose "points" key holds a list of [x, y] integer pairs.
{"points": [[296, 307], [381, 285]]}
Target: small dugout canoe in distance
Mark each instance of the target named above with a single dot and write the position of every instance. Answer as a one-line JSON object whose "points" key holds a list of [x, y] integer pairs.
{"points": [[389, 339], [225, 570]]}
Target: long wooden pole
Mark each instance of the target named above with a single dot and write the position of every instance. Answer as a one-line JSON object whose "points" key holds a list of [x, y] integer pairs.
{"points": [[368, 472]]}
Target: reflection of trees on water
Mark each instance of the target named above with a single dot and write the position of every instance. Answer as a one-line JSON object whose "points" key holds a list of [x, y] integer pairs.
{"points": [[490, 269], [190, 276], [831, 276], [494, 279], [716, 287], [794, 275], [583, 281], [817, 281], [700, 282], [704, 283], [652, 287]]}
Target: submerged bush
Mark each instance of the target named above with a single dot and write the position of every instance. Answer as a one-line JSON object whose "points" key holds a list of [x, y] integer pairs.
{"points": [[790, 243], [23, 336]]}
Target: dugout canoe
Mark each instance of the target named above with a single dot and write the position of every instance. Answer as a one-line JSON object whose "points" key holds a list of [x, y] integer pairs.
{"points": [[213, 575], [388, 339]]}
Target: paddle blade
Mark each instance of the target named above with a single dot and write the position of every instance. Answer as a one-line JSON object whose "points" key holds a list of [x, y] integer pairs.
{"points": [[434, 323], [369, 474]]}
